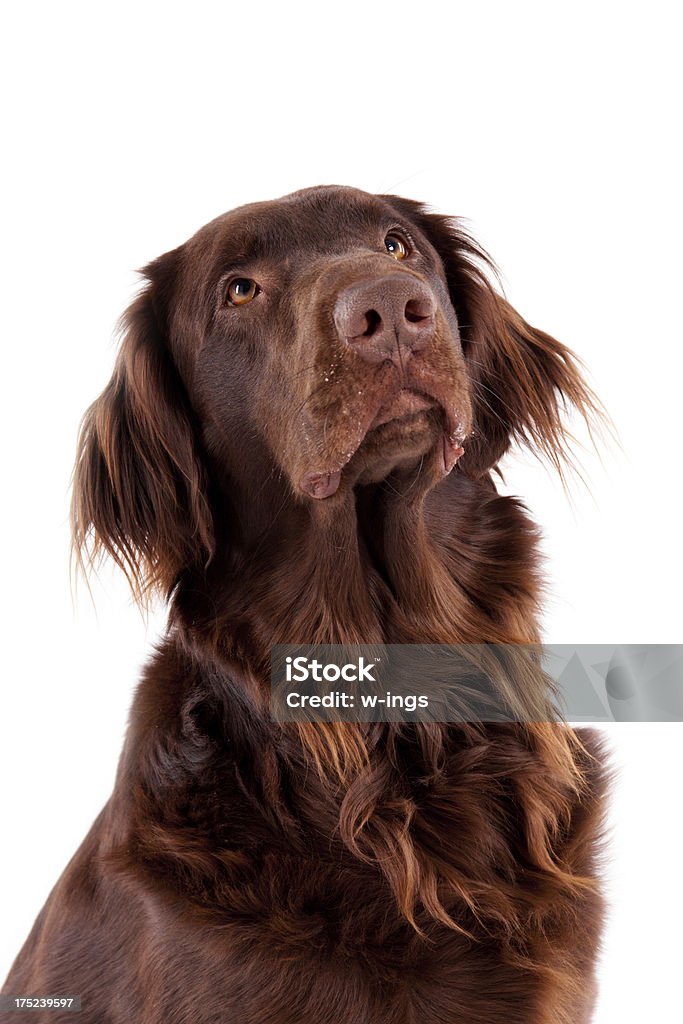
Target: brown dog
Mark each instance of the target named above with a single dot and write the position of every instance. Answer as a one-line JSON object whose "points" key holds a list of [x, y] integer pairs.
{"points": [[296, 446]]}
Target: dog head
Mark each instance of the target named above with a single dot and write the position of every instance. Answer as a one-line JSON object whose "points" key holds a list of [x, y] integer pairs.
{"points": [[326, 339]]}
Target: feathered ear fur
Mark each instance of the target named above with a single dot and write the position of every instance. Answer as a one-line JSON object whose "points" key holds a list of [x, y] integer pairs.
{"points": [[138, 490], [523, 380]]}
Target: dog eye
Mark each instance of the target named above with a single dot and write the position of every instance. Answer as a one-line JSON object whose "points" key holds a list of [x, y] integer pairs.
{"points": [[242, 290], [395, 247]]}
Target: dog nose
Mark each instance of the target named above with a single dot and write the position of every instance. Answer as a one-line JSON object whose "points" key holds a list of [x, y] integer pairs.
{"points": [[388, 318]]}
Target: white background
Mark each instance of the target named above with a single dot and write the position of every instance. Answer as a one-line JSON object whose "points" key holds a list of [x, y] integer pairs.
{"points": [[553, 129]]}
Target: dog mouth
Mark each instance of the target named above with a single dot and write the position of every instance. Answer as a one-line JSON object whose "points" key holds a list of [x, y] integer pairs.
{"points": [[406, 404], [404, 414]]}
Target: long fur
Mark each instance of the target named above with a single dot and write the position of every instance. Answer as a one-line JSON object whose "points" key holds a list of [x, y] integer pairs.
{"points": [[251, 871]]}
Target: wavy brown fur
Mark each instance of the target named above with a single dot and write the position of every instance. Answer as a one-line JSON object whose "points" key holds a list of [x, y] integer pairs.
{"points": [[249, 871]]}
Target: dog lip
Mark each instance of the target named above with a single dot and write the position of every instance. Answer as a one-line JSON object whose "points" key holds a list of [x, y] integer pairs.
{"points": [[402, 405], [321, 485], [405, 404], [450, 451]]}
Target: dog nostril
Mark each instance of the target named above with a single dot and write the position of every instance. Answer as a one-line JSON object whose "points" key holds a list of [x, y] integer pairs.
{"points": [[373, 320], [416, 311]]}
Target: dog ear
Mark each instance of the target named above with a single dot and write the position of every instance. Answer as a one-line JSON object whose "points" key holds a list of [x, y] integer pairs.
{"points": [[139, 491], [524, 382]]}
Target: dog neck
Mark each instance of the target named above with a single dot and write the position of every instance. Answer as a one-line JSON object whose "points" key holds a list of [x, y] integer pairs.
{"points": [[380, 563]]}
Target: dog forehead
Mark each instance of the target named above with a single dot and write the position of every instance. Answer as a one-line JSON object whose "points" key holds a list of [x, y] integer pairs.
{"points": [[320, 219]]}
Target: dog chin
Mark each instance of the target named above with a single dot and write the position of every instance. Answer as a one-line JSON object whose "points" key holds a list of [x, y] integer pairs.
{"points": [[405, 444], [397, 445], [411, 432]]}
